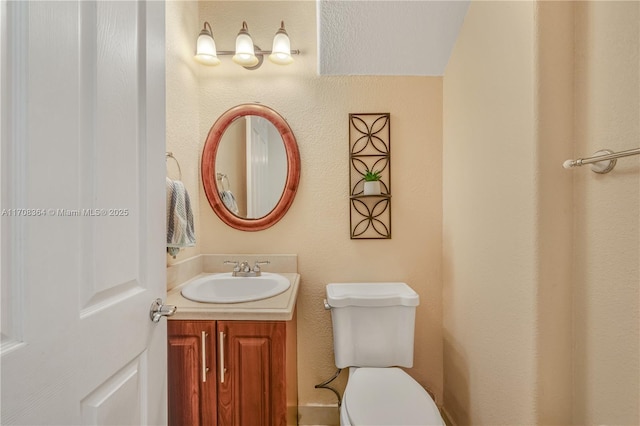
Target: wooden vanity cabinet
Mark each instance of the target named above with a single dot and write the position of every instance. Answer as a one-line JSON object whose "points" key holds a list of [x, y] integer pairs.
{"points": [[191, 365], [232, 373]]}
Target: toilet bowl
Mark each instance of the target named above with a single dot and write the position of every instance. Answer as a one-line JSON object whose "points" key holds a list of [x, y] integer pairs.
{"points": [[373, 329], [386, 396]]}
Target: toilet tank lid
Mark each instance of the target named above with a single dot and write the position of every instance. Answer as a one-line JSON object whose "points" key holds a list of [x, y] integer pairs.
{"points": [[371, 294]]}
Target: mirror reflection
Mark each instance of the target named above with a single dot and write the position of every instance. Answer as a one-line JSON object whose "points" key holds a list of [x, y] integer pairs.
{"points": [[251, 167]]}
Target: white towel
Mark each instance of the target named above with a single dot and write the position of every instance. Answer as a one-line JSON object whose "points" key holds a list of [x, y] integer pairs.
{"points": [[180, 231]]}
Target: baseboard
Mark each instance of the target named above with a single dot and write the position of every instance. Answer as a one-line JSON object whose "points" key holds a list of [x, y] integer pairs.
{"points": [[329, 415], [318, 415]]}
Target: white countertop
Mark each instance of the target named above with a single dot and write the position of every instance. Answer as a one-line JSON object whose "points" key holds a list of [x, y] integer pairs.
{"points": [[277, 308]]}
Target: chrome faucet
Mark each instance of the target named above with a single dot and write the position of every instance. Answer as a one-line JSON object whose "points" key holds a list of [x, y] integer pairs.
{"points": [[242, 269]]}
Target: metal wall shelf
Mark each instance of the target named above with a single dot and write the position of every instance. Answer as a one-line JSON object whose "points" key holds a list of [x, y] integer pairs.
{"points": [[369, 149], [354, 197]]}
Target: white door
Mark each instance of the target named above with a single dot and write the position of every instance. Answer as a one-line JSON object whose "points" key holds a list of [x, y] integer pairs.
{"points": [[83, 204], [258, 167]]}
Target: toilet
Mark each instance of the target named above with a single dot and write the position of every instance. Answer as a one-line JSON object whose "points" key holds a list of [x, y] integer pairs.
{"points": [[373, 328]]}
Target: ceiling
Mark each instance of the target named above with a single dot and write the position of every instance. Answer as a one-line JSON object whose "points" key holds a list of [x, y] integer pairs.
{"points": [[370, 37]]}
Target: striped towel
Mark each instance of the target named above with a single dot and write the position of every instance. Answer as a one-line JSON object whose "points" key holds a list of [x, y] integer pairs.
{"points": [[180, 231], [229, 200]]}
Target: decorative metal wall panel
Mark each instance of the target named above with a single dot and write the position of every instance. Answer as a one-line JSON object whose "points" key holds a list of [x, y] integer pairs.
{"points": [[370, 150]]}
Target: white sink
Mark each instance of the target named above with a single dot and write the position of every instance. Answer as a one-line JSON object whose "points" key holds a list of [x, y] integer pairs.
{"points": [[224, 288]]}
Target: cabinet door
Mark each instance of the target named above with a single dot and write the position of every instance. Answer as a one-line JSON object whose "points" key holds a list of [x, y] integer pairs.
{"points": [[252, 382], [191, 373]]}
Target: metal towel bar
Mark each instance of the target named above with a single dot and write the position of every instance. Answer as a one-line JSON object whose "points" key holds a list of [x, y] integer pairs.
{"points": [[170, 155], [605, 157]]}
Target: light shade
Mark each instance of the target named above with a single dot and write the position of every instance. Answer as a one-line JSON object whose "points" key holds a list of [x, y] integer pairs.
{"points": [[281, 51], [206, 47], [245, 55]]}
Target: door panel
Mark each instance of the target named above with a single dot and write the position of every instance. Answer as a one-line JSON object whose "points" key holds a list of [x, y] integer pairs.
{"points": [[82, 149], [111, 63], [112, 110], [119, 400], [253, 392]]}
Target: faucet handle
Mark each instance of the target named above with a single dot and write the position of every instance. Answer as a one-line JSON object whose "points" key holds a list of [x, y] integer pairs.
{"points": [[236, 267], [256, 267]]}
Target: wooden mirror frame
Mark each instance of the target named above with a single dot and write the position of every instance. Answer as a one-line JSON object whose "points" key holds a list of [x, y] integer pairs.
{"points": [[208, 167]]}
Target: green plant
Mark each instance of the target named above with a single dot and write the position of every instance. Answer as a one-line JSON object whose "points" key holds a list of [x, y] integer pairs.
{"points": [[370, 176]]}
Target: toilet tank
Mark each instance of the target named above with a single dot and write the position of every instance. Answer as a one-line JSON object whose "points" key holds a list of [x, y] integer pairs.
{"points": [[373, 323]]}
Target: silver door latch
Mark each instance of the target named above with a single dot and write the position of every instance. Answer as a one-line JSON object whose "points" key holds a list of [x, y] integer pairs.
{"points": [[158, 310]]}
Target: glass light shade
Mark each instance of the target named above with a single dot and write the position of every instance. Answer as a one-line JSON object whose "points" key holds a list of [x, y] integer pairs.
{"points": [[206, 50], [245, 55], [281, 50]]}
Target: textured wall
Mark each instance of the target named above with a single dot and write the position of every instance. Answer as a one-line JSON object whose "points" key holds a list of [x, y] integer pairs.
{"points": [[392, 37], [183, 115], [488, 218], [553, 56], [507, 206], [541, 264], [607, 214], [316, 227]]}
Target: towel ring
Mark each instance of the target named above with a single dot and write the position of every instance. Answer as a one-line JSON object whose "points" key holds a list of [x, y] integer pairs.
{"points": [[170, 155], [221, 178]]}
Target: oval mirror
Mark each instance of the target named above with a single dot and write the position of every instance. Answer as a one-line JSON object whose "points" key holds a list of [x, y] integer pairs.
{"points": [[250, 167]]}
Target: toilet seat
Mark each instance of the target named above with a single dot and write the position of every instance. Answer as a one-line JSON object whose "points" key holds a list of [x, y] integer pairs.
{"points": [[388, 396]]}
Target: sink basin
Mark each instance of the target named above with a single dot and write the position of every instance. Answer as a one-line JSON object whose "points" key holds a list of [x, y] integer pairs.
{"points": [[224, 288]]}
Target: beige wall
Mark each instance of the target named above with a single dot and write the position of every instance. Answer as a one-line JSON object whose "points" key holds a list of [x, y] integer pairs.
{"points": [[540, 271], [607, 216], [183, 115], [535, 259], [316, 228], [489, 218]]}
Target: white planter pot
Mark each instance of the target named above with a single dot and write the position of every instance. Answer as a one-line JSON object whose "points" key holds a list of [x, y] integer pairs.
{"points": [[371, 188]]}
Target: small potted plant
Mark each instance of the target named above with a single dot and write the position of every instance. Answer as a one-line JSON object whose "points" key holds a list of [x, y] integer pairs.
{"points": [[372, 182]]}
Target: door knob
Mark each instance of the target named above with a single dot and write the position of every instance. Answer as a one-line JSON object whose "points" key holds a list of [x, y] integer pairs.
{"points": [[158, 310]]}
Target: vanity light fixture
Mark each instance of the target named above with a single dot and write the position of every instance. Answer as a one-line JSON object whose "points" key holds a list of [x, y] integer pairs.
{"points": [[247, 54], [281, 50], [206, 47]]}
